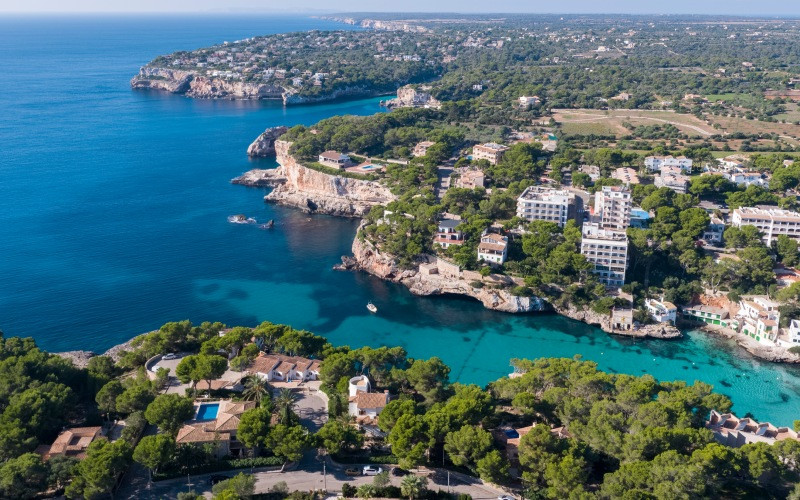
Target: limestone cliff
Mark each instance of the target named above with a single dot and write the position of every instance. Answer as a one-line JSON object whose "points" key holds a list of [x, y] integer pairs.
{"points": [[264, 145], [195, 85], [313, 191], [367, 258]]}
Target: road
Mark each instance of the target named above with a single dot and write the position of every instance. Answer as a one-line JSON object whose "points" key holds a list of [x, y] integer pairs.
{"points": [[309, 476]]}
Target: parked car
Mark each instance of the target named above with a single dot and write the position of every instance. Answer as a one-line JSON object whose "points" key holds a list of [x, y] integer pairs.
{"points": [[170, 355], [371, 470], [352, 471], [505, 497], [397, 471], [218, 478]]}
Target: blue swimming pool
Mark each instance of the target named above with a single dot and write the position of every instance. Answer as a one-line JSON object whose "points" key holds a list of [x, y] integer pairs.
{"points": [[207, 411]]}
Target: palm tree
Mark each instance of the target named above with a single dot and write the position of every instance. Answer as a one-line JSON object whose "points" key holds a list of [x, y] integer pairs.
{"points": [[284, 405], [255, 388], [413, 486]]}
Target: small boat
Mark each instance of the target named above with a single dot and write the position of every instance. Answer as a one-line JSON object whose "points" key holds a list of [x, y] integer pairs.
{"points": [[372, 307]]}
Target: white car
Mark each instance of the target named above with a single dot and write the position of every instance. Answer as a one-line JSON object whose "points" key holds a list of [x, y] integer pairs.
{"points": [[505, 498], [169, 355], [371, 470]]}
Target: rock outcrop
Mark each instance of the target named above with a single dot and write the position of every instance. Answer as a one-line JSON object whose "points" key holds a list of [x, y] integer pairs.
{"points": [[313, 191], [264, 145], [586, 315], [367, 258], [79, 358]]}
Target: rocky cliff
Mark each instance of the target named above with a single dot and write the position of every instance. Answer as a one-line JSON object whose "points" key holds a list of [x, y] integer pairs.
{"points": [[313, 191], [586, 315], [264, 145], [367, 258], [194, 85]]}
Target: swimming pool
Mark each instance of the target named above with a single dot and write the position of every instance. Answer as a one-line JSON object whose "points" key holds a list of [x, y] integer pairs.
{"points": [[207, 411]]}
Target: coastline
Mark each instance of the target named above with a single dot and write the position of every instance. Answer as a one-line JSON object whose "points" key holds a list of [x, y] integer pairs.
{"points": [[752, 346]]}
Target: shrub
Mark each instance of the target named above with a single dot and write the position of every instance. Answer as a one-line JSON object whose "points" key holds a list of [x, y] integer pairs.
{"points": [[795, 349], [348, 490], [521, 291]]}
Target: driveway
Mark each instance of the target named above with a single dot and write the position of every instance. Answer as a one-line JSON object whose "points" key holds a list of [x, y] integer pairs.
{"points": [[312, 405]]}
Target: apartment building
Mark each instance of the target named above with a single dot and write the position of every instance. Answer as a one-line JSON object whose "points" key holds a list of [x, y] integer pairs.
{"points": [[612, 207], [771, 221], [548, 204], [607, 250], [672, 178], [491, 152], [627, 175], [655, 163]]}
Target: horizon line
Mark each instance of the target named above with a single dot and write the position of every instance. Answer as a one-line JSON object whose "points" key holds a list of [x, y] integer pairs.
{"points": [[313, 12]]}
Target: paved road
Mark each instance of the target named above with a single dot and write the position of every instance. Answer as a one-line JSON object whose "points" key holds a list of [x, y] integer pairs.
{"points": [[309, 476]]}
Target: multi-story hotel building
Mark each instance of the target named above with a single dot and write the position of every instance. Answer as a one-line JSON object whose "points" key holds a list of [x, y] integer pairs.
{"points": [[612, 208], [771, 221], [542, 203], [491, 151], [607, 250]]}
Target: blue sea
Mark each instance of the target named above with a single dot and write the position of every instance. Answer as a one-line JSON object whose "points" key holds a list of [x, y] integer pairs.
{"points": [[114, 221]]}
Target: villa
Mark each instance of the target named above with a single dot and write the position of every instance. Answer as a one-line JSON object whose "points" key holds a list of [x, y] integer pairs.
{"points": [[334, 159], [661, 310], [72, 442], [281, 368], [709, 315], [470, 179], [448, 234], [362, 403], [760, 318], [491, 152], [215, 422], [421, 149], [493, 248], [656, 163]]}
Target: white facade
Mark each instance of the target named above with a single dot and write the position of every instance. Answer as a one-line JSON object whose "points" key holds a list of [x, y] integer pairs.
{"points": [[493, 248], [745, 178], [661, 311], [491, 152], [612, 207], [771, 221], [714, 231], [760, 318], [655, 163], [607, 250], [794, 331], [548, 204]]}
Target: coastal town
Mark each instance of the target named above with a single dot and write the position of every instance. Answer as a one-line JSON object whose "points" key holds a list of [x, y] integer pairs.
{"points": [[607, 169]]}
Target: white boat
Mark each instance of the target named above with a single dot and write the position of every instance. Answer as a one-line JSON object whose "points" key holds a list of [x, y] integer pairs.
{"points": [[372, 307]]}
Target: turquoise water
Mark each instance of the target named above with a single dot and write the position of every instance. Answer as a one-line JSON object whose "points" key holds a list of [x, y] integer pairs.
{"points": [[114, 221], [207, 411]]}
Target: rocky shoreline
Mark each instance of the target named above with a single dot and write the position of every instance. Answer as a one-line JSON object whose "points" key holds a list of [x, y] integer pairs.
{"points": [[81, 358], [756, 349]]}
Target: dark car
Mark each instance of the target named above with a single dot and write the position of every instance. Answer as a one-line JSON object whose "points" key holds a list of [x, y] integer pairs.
{"points": [[397, 471], [352, 471], [218, 478]]}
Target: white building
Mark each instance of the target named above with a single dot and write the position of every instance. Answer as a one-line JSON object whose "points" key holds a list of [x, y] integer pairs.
{"points": [[362, 403], [794, 331], [655, 163], [714, 231], [542, 203], [760, 318], [526, 102], [771, 221], [493, 248], [607, 250], [661, 310], [747, 178], [421, 149], [612, 207], [672, 178], [491, 152], [334, 159]]}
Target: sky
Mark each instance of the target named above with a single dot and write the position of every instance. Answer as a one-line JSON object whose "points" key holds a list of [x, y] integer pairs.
{"points": [[722, 7]]}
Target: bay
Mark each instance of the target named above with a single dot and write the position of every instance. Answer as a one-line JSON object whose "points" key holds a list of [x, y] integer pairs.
{"points": [[113, 221]]}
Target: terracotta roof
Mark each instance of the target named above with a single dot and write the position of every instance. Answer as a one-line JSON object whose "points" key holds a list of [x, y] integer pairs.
{"points": [[266, 363], [201, 432], [285, 367], [263, 364], [229, 413], [370, 399], [215, 385], [74, 442]]}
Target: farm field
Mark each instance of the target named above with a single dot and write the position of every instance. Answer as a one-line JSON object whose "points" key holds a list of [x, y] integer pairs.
{"points": [[595, 121]]}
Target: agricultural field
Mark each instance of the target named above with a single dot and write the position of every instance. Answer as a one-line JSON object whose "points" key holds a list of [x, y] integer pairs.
{"points": [[607, 122]]}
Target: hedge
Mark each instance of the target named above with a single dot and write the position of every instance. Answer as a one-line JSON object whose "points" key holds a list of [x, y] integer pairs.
{"points": [[368, 459], [222, 465]]}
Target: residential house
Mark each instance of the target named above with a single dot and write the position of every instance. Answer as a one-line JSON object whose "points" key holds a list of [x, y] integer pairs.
{"points": [[281, 368], [770, 221], [469, 178], [714, 231], [493, 248], [656, 163], [490, 151], [760, 318], [362, 402], [708, 314], [526, 102], [447, 233], [593, 171], [794, 331], [215, 422], [747, 178], [661, 310], [730, 430], [548, 204], [334, 159], [672, 178], [421, 149], [73, 442]]}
